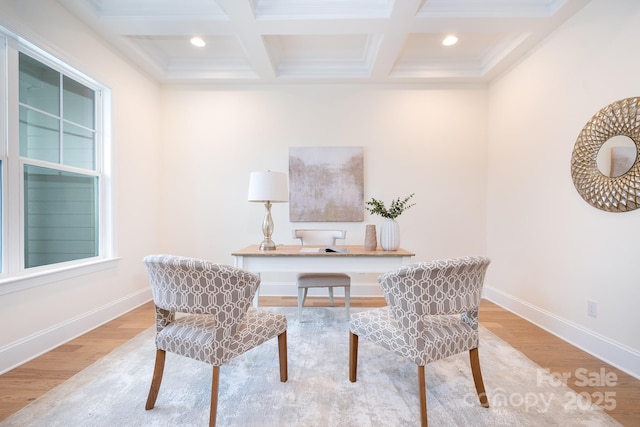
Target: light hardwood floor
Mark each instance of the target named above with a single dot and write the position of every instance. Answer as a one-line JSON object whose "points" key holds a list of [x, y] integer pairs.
{"points": [[621, 400]]}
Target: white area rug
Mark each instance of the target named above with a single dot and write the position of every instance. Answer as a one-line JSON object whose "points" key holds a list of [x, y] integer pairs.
{"points": [[113, 391]]}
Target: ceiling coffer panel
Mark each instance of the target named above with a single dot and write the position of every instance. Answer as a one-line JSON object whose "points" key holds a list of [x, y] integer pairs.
{"points": [[373, 41]]}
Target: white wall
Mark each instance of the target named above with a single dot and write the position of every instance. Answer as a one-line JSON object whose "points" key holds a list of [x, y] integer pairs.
{"points": [[431, 142], [47, 315], [181, 176], [183, 156], [551, 250]]}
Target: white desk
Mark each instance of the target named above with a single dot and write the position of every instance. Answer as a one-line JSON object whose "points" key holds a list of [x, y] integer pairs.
{"points": [[292, 259]]}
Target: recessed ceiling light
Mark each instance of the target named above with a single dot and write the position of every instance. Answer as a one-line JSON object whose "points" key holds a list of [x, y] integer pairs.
{"points": [[450, 40], [198, 41]]}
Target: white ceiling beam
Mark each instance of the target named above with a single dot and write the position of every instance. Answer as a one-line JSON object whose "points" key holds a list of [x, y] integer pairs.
{"points": [[394, 37], [242, 20]]}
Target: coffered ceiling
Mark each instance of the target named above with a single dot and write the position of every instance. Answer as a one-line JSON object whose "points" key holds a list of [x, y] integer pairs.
{"points": [[277, 41]]}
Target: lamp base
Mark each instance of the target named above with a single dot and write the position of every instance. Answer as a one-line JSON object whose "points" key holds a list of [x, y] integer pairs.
{"points": [[267, 245], [267, 229]]}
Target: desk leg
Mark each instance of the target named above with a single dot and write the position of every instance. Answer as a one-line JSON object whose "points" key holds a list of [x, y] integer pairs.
{"points": [[256, 297]]}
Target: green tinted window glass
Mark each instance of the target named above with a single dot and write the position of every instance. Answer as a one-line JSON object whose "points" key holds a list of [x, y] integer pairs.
{"points": [[39, 136], [1, 221], [78, 147], [78, 103], [61, 216], [39, 85]]}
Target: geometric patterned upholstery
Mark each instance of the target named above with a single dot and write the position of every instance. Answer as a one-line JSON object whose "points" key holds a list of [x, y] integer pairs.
{"points": [[432, 309], [431, 314], [195, 336], [216, 321], [443, 336], [219, 297]]}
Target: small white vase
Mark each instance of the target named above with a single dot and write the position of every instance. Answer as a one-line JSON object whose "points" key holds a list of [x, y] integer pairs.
{"points": [[390, 235]]}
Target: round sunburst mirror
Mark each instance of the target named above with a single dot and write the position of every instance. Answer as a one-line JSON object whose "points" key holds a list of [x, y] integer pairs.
{"points": [[604, 166]]}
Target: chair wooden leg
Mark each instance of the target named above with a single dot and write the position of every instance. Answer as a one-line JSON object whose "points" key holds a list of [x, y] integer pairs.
{"points": [[477, 376], [213, 410], [282, 353], [353, 357], [156, 380], [423, 396]]}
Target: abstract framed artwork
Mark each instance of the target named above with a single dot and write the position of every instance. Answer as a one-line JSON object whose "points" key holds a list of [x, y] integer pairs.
{"points": [[326, 184]]}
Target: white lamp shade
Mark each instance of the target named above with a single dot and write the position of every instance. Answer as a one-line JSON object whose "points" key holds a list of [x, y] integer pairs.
{"points": [[268, 187]]}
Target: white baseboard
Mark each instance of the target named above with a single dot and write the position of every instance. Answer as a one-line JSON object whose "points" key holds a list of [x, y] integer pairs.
{"points": [[605, 349], [33, 346]]}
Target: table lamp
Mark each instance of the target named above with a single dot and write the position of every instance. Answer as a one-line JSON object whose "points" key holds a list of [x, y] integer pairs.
{"points": [[268, 187]]}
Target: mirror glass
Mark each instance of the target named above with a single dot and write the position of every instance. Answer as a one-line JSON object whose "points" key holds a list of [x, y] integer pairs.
{"points": [[616, 156]]}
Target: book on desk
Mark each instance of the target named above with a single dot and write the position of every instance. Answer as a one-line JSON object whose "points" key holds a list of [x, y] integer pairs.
{"points": [[325, 249]]}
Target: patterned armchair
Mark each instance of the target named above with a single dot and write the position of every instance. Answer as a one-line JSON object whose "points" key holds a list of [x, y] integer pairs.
{"points": [[219, 322], [431, 314]]}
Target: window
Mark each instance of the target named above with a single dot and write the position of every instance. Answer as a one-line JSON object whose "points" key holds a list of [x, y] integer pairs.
{"points": [[57, 129], [52, 168]]}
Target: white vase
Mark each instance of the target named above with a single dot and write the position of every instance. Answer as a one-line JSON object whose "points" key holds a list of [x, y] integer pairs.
{"points": [[390, 235]]}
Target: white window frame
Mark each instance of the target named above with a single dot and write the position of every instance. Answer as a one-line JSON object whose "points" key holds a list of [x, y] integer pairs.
{"points": [[13, 275]]}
